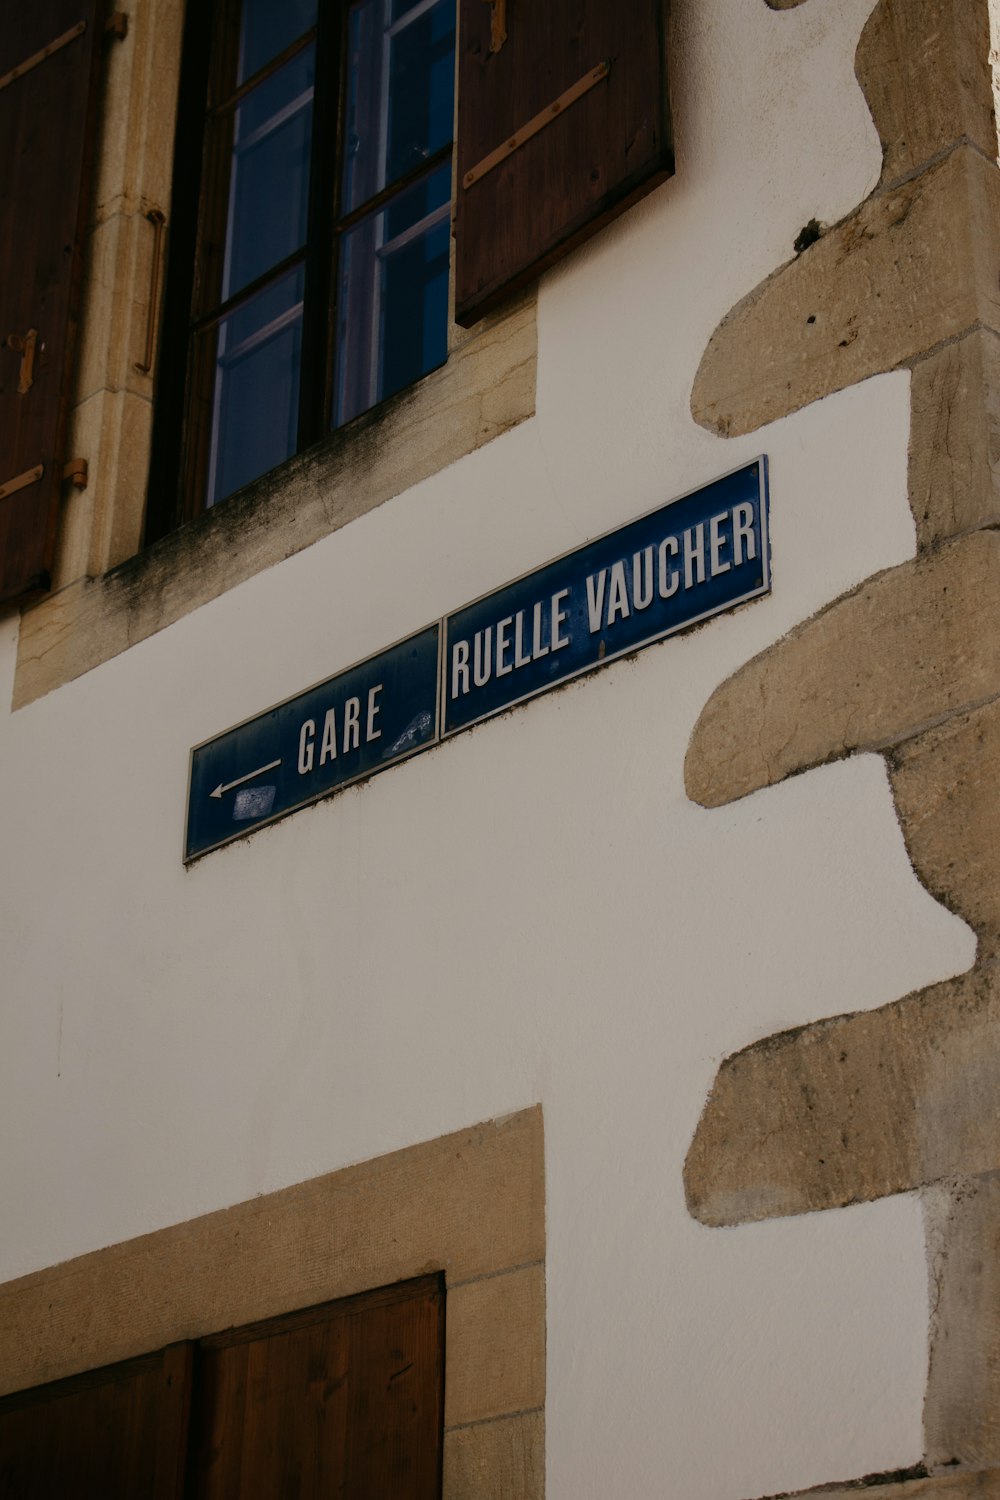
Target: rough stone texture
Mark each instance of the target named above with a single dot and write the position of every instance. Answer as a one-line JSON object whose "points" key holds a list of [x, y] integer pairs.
{"points": [[911, 267], [851, 1109], [496, 1346], [496, 1460], [962, 1407], [110, 429], [487, 386], [954, 474], [138, 109], [945, 786], [118, 270], [924, 68], [984, 1485], [470, 1204], [902, 651], [875, 1103]]}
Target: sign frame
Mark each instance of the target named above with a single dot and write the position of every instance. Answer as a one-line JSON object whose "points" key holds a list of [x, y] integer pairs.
{"points": [[759, 462], [439, 636], [328, 791]]}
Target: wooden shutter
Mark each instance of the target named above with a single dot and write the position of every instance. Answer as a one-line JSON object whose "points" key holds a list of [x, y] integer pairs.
{"points": [[112, 1434], [563, 122], [343, 1400], [47, 114]]}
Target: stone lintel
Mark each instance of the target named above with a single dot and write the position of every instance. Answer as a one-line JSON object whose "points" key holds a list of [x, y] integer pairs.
{"points": [[469, 1204]]}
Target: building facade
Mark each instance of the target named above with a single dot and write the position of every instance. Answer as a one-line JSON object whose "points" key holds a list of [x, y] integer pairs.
{"points": [[654, 1017]]}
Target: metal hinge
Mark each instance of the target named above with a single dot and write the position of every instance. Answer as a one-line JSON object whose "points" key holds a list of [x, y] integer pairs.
{"points": [[158, 219], [114, 26], [40, 56], [498, 24], [76, 473], [21, 481], [24, 345], [536, 123]]}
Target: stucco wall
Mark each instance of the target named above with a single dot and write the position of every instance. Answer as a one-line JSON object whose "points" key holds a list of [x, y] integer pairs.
{"points": [[534, 912]]}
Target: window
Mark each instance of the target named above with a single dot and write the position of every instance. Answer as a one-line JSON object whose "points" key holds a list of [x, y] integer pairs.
{"points": [[319, 265], [344, 1399], [313, 203], [306, 235]]}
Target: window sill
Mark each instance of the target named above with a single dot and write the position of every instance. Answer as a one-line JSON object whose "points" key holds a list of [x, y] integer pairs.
{"points": [[487, 387]]}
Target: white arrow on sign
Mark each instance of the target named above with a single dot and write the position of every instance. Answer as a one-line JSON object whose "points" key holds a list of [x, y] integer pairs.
{"points": [[228, 786]]}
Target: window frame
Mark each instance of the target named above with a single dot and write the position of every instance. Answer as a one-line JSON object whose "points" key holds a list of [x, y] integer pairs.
{"points": [[183, 426]]}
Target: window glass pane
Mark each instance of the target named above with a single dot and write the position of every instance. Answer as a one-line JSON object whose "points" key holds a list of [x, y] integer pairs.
{"points": [[256, 353], [393, 323], [267, 27], [400, 91], [269, 182]]}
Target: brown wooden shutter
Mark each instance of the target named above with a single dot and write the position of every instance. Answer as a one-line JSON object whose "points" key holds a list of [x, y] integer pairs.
{"points": [[343, 1400], [562, 124], [113, 1434], [47, 115]]}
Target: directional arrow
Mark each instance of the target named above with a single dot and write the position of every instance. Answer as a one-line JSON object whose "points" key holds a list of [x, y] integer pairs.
{"points": [[228, 786]]}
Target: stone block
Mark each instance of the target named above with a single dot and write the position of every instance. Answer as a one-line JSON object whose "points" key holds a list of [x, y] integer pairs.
{"points": [[470, 1204], [502, 1460], [102, 524], [924, 68], [138, 110], [496, 1346], [954, 473], [853, 1108], [118, 271], [910, 268], [878, 666], [947, 789], [962, 1403]]}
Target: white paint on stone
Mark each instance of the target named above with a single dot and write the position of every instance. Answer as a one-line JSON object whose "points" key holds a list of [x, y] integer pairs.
{"points": [[533, 912]]}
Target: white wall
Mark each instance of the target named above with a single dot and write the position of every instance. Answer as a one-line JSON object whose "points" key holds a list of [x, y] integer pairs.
{"points": [[533, 911]]}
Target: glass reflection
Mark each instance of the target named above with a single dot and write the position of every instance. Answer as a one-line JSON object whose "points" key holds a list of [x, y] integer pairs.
{"points": [[400, 92], [393, 296], [269, 181], [256, 352], [267, 28]]}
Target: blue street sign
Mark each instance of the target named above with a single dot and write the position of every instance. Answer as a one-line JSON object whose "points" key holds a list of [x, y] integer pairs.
{"points": [[357, 723], [703, 553], [690, 559]]}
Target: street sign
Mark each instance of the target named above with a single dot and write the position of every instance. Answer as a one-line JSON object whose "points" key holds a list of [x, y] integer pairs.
{"points": [[680, 564], [359, 722]]}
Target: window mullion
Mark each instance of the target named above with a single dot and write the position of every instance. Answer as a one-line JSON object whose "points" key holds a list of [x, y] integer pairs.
{"points": [[324, 186]]}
